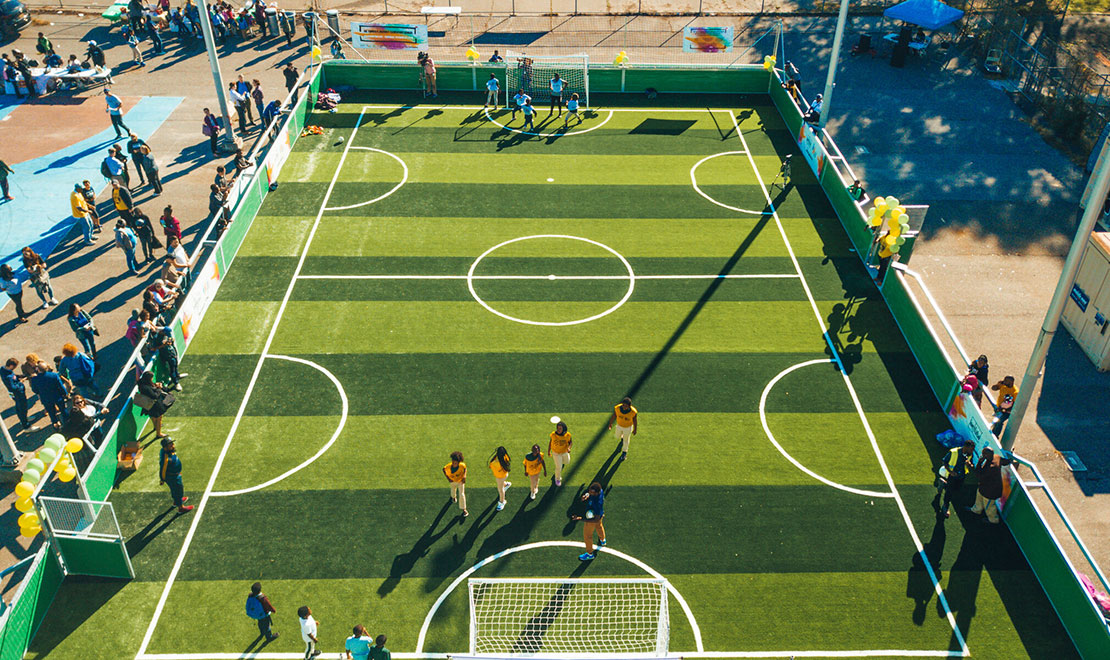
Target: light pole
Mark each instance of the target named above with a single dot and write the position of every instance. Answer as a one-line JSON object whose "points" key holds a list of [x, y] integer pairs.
{"points": [[9, 455], [227, 136], [830, 80]]}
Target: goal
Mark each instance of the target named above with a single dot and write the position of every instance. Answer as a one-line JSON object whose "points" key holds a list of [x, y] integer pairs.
{"points": [[568, 617], [533, 74]]}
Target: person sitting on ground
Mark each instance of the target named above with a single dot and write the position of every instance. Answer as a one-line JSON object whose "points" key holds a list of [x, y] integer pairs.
{"points": [[73, 66], [919, 36], [53, 61]]}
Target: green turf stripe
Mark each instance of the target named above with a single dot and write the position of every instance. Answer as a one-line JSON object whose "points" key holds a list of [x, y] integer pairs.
{"points": [[543, 383]]}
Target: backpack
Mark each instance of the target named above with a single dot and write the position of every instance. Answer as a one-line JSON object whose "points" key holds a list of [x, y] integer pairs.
{"points": [[254, 608]]}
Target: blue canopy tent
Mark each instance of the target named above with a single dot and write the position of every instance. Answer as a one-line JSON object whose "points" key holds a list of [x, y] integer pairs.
{"points": [[929, 14]]}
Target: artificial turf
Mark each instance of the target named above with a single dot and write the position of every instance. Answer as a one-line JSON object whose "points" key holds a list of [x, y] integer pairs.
{"points": [[768, 558]]}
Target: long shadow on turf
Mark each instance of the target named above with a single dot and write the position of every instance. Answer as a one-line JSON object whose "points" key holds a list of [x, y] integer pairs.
{"points": [[450, 559], [403, 563], [144, 536]]}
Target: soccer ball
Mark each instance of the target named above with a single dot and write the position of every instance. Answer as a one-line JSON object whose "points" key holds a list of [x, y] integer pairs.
{"points": [[589, 515]]}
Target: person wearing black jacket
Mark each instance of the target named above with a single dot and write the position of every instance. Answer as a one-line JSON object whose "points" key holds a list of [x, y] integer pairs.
{"points": [[291, 75], [989, 469], [145, 231]]}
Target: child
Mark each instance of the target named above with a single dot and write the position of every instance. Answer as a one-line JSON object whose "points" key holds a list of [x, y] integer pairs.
{"points": [[455, 471], [572, 109], [557, 84], [492, 87], [136, 54], [308, 631], [519, 101], [533, 463], [528, 111], [499, 464]]}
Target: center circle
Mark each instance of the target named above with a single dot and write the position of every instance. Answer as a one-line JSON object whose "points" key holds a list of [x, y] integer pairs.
{"points": [[610, 310]]}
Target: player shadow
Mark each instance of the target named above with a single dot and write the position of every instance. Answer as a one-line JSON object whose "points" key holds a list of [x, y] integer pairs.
{"points": [[469, 124], [449, 559], [404, 563], [518, 529], [380, 118], [433, 112], [727, 132], [141, 539], [256, 645], [919, 584], [847, 337]]}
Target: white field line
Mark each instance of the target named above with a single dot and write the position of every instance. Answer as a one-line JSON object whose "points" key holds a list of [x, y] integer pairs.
{"points": [[552, 544], [242, 407], [318, 454], [855, 400], [404, 179], [480, 107], [548, 135], [698, 190], [767, 276]]}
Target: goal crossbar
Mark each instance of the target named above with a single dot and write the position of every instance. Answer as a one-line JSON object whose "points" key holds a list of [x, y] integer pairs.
{"points": [[568, 617]]}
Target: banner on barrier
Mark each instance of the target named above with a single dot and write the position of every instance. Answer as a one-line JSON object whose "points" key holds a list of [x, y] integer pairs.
{"points": [[810, 145], [279, 152], [707, 39], [390, 36], [201, 295]]}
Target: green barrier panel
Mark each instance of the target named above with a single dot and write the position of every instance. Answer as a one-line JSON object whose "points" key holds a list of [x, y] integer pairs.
{"points": [[100, 558], [1084, 624], [784, 104], [28, 609], [851, 218], [930, 356]]}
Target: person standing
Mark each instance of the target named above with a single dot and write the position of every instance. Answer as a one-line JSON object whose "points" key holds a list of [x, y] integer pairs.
{"points": [[357, 646], [529, 112], [211, 128], [244, 88], [259, 100], [556, 85], [624, 414], [492, 87], [90, 199], [241, 105], [4, 172], [169, 473], [112, 169], [500, 465], [260, 609], [82, 212], [455, 471], [155, 38], [114, 106], [122, 200], [14, 288], [167, 350], [989, 469], [572, 110], [126, 241], [51, 391], [533, 463], [145, 162], [291, 74], [17, 390], [951, 476], [594, 497], [28, 76], [81, 371], [558, 448], [1007, 392], [430, 88], [309, 630], [379, 651], [981, 370], [40, 277], [136, 52], [170, 224], [145, 231], [82, 325], [134, 149]]}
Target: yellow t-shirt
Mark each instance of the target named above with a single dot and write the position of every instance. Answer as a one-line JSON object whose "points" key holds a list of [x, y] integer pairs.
{"points": [[117, 199], [78, 204], [498, 471], [458, 475], [560, 444], [625, 419], [533, 467], [1003, 391]]}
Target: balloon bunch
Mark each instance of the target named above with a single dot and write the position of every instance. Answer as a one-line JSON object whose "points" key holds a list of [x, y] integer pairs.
{"points": [[768, 62], [622, 59], [317, 54], [888, 211], [33, 473], [472, 54]]}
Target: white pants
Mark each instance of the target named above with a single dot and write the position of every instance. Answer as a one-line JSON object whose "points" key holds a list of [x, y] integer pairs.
{"points": [[310, 648], [458, 491], [560, 460], [624, 433], [491, 97], [501, 485], [984, 505], [534, 481]]}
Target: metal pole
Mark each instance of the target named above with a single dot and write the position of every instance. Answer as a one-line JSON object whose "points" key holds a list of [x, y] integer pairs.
{"points": [[1098, 187], [9, 454], [227, 136], [830, 81]]}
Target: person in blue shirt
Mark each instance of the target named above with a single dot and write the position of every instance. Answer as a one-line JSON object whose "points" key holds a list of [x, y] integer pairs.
{"points": [[595, 512], [17, 389], [557, 85], [492, 87], [169, 473], [519, 101], [358, 644], [496, 57], [529, 113], [81, 370], [52, 393], [572, 109]]}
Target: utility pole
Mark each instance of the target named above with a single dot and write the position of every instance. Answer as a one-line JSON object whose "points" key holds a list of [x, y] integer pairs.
{"points": [[227, 136], [9, 454], [830, 80], [1095, 196]]}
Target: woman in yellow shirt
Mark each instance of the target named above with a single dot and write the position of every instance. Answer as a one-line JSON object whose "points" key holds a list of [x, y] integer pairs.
{"points": [[559, 449], [533, 463], [499, 464], [455, 471]]}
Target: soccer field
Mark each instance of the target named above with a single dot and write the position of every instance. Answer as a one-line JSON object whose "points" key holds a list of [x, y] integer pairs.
{"points": [[431, 279]]}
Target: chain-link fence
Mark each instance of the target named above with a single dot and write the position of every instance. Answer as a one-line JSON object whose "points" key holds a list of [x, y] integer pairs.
{"points": [[72, 517]]}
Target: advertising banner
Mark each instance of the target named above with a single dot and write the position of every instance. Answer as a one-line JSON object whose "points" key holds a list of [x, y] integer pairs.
{"points": [[707, 40], [390, 36]]}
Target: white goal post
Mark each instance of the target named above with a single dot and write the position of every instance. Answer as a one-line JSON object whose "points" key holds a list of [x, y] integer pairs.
{"points": [[533, 74], [568, 617]]}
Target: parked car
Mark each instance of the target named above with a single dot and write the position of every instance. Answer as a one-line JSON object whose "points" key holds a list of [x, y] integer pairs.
{"points": [[13, 18]]}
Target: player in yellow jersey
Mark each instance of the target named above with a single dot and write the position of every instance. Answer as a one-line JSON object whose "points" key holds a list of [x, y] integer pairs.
{"points": [[533, 463], [625, 417], [455, 471], [500, 465], [559, 449]]}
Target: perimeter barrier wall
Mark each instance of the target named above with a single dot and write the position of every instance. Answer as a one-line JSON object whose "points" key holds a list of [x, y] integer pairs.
{"points": [[36, 591]]}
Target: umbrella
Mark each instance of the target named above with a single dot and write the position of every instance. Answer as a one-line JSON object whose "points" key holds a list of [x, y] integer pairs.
{"points": [[929, 14]]}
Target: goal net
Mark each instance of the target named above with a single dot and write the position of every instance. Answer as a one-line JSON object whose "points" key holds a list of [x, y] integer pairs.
{"points": [[578, 617], [533, 74]]}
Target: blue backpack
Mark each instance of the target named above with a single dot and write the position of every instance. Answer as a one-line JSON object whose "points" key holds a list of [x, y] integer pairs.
{"points": [[254, 608]]}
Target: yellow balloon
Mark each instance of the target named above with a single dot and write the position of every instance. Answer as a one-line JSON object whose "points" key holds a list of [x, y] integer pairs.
{"points": [[24, 489], [896, 213], [29, 519], [885, 252], [768, 64], [316, 52], [67, 474], [24, 504], [30, 532], [895, 231], [75, 445], [876, 221]]}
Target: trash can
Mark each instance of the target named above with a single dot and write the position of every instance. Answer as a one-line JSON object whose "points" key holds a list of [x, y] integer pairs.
{"points": [[271, 20], [333, 22], [309, 18]]}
